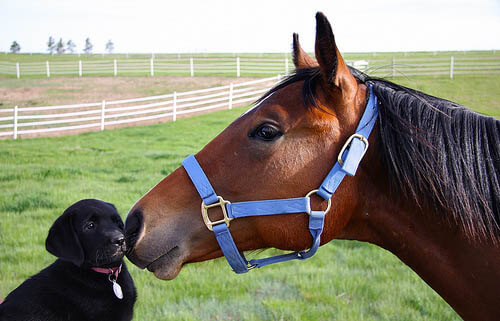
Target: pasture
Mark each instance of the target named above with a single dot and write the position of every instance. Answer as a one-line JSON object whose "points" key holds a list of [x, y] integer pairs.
{"points": [[240, 64], [36, 57], [65, 90], [345, 280]]}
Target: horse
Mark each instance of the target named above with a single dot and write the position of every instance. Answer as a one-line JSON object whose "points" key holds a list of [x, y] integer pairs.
{"points": [[427, 188]]}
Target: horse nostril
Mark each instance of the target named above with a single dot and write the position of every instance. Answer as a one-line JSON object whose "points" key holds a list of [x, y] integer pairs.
{"points": [[133, 225]]}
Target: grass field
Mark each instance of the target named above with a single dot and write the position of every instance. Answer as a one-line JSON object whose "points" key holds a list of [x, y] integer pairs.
{"points": [[225, 64], [345, 280], [36, 57]]}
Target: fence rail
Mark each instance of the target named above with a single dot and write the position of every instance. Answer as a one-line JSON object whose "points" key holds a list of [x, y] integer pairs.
{"points": [[244, 66], [107, 114]]}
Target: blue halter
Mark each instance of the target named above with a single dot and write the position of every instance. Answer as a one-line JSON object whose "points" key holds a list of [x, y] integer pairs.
{"points": [[348, 161]]}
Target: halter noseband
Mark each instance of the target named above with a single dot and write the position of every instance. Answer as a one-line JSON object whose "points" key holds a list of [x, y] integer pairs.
{"points": [[349, 158]]}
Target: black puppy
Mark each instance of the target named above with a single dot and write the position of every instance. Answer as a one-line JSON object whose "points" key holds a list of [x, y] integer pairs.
{"points": [[88, 281]]}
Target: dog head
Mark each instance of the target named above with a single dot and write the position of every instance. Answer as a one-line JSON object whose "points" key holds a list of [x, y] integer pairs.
{"points": [[88, 233]]}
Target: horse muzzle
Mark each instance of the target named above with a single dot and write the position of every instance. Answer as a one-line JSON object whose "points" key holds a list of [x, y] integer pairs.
{"points": [[161, 249]]}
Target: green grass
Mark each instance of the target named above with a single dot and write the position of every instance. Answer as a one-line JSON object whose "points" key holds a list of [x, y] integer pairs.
{"points": [[37, 57], [345, 280], [33, 65]]}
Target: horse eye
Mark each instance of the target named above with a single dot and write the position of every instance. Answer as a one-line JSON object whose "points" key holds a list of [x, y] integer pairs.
{"points": [[267, 132], [89, 225]]}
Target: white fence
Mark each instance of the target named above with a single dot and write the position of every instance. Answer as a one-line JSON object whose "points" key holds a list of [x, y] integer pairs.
{"points": [[40, 121], [246, 66], [434, 66], [115, 67]]}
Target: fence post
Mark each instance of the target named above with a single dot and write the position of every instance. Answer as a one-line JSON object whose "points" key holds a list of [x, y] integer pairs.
{"points": [[230, 104], [191, 66], [238, 69], [452, 61], [152, 68], [103, 108], [286, 66], [18, 72], [48, 68], [15, 122], [174, 112], [115, 68], [79, 68], [393, 68]]}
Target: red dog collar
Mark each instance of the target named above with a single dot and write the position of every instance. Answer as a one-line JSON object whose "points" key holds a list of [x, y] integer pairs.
{"points": [[112, 276], [114, 270]]}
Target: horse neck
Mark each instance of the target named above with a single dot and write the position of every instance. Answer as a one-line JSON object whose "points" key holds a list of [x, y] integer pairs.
{"points": [[464, 272]]}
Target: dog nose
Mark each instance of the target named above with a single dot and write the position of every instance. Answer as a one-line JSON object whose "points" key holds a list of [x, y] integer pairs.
{"points": [[118, 241], [133, 225]]}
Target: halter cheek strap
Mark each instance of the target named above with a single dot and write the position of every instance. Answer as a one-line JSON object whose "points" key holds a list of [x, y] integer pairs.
{"points": [[349, 159]]}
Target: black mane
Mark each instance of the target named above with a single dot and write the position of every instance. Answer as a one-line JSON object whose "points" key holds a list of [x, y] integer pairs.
{"points": [[439, 154]]}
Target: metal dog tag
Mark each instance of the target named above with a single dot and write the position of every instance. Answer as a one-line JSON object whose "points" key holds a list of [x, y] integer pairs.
{"points": [[118, 290]]}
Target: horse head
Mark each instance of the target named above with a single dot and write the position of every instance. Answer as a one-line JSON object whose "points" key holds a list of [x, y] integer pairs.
{"points": [[283, 147]]}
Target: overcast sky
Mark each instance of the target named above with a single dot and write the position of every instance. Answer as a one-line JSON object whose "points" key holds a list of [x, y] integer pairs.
{"points": [[251, 25]]}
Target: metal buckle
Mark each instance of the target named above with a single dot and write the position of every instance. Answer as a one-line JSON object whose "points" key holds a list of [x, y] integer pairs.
{"points": [[251, 266], [348, 142], [204, 213], [314, 191]]}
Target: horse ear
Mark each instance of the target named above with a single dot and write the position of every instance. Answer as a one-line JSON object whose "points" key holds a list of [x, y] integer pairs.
{"points": [[300, 58], [333, 68], [63, 241]]}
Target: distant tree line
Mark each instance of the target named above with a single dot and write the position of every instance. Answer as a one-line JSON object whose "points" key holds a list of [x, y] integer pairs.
{"points": [[61, 47], [15, 47]]}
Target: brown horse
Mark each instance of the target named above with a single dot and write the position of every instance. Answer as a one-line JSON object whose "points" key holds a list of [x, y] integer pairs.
{"points": [[427, 189]]}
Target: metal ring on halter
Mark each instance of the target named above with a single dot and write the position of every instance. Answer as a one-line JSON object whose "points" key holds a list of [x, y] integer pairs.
{"points": [[204, 213], [348, 142], [314, 191]]}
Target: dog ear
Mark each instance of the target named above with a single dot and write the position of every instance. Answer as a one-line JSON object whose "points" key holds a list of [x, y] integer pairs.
{"points": [[63, 241]]}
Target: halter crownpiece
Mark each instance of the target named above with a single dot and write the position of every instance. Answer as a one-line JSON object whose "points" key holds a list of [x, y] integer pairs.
{"points": [[349, 159]]}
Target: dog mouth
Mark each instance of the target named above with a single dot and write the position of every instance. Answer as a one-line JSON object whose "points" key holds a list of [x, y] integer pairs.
{"points": [[107, 257]]}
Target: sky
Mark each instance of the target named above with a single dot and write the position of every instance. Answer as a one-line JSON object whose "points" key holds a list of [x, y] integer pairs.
{"points": [[180, 26]]}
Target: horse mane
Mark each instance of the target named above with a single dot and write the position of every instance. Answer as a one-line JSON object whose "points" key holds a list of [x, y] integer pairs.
{"points": [[437, 153]]}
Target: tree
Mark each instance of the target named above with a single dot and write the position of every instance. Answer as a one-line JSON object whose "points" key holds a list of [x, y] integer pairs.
{"points": [[15, 47], [88, 46], [51, 45], [60, 47], [70, 46], [110, 46]]}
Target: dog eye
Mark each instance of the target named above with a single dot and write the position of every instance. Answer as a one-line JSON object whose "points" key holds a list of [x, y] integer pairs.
{"points": [[89, 225]]}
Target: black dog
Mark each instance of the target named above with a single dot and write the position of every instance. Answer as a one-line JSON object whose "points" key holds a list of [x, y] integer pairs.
{"points": [[85, 282]]}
